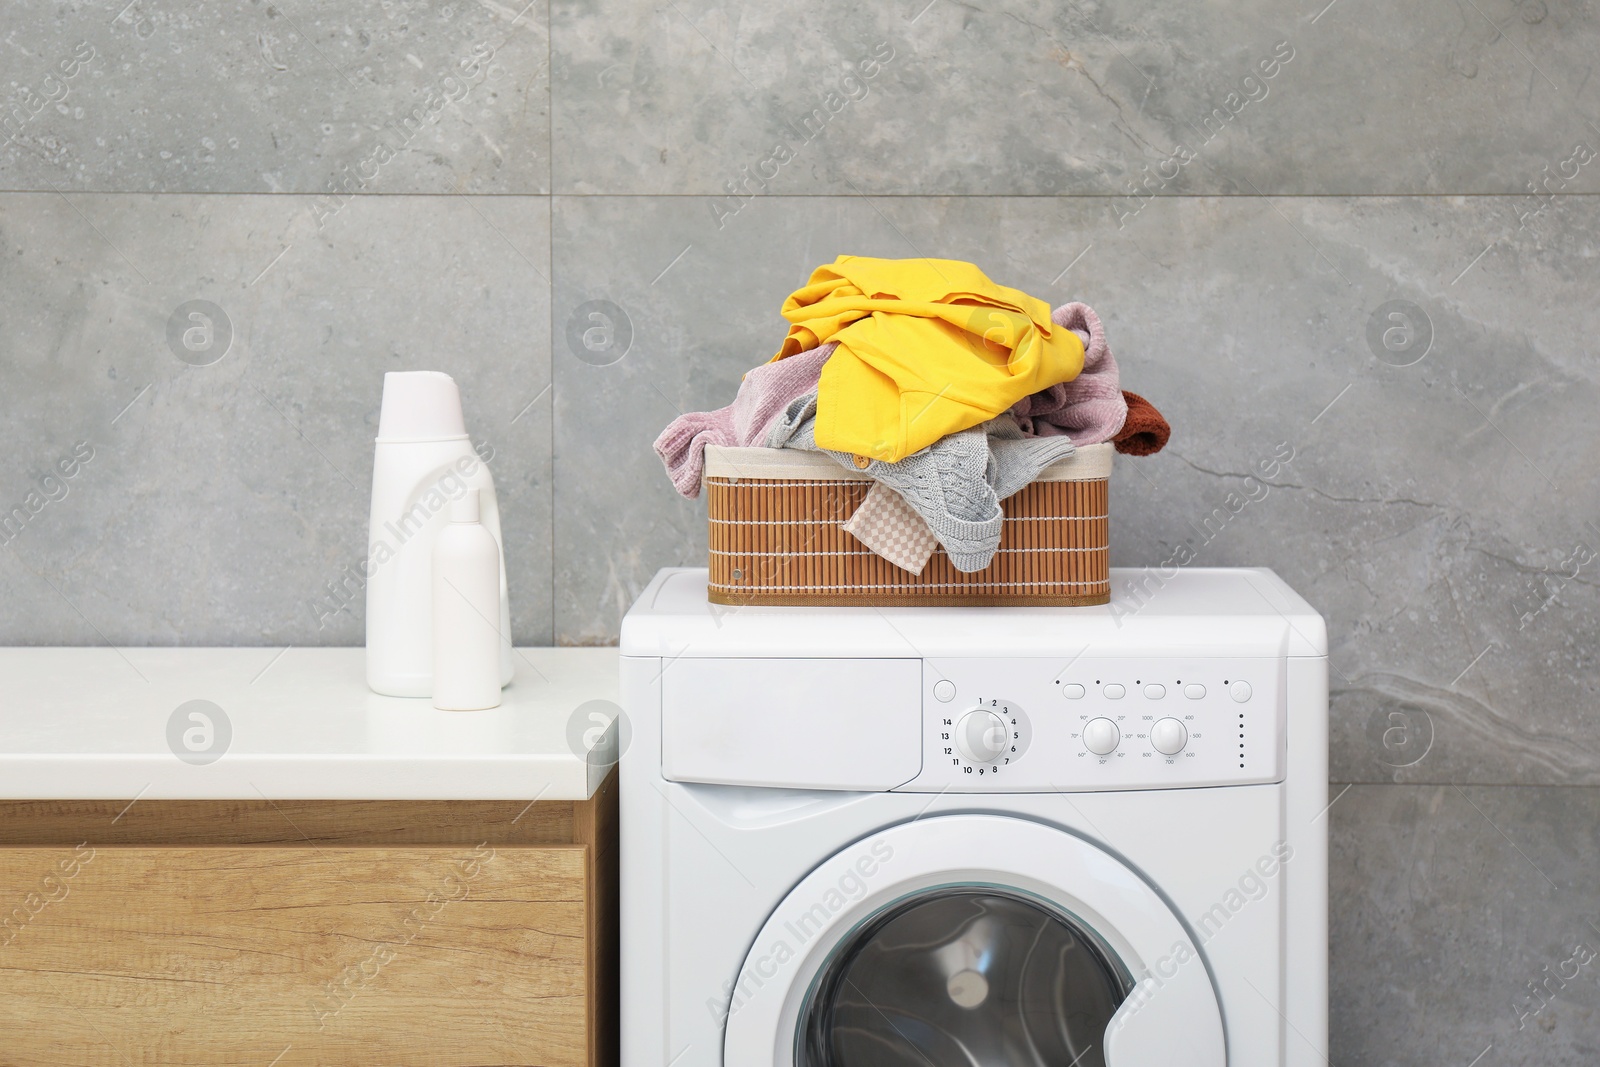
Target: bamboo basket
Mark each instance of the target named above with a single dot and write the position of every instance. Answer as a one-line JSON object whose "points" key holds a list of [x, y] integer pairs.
{"points": [[776, 537]]}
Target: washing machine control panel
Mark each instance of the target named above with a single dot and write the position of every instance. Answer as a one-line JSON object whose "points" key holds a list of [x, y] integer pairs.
{"points": [[1079, 724]]}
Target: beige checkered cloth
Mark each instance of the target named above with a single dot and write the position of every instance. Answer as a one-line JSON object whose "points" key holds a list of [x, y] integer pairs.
{"points": [[886, 524]]}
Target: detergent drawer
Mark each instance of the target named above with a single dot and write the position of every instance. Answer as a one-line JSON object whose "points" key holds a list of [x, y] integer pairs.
{"points": [[798, 723]]}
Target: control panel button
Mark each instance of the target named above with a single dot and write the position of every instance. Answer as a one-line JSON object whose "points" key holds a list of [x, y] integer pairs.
{"points": [[1239, 691], [1113, 691], [1194, 690], [1168, 736], [1101, 736], [1154, 691], [982, 736], [1072, 691], [944, 690]]}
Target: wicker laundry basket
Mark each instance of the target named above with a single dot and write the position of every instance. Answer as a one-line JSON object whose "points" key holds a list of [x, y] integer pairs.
{"points": [[776, 538]]}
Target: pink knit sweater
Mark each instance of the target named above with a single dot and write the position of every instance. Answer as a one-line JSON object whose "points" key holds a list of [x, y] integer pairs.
{"points": [[763, 395], [1090, 408]]}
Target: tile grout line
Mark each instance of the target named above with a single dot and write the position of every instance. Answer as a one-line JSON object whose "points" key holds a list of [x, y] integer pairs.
{"points": [[422, 194], [550, 282], [1473, 785], [550, 246]]}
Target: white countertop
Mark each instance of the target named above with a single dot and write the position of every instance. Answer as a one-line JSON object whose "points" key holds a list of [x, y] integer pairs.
{"points": [[95, 723]]}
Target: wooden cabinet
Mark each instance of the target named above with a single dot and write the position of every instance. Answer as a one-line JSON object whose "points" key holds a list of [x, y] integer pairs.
{"points": [[327, 933]]}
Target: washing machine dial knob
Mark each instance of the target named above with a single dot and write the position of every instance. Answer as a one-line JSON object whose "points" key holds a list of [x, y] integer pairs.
{"points": [[982, 736], [1169, 736], [1101, 736]]}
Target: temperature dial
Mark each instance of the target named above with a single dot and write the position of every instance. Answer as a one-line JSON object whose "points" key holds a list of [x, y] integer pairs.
{"points": [[982, 736], [1101, 736]]}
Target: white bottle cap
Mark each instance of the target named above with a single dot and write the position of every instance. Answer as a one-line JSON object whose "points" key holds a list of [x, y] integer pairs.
{"points": [[464, 508], [420, 405]]}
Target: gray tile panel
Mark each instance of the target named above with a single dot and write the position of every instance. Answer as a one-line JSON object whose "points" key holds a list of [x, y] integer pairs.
{"points": [[251, 96], [222, 492]]}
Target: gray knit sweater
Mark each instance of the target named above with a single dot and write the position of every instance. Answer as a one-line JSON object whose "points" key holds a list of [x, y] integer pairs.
{"points": [[956, 483]]}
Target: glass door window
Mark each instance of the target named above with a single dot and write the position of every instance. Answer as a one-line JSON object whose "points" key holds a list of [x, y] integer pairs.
{"points": [[964, 977]]}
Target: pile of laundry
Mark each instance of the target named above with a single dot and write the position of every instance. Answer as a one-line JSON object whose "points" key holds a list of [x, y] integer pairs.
{"points": [[949, 391]]}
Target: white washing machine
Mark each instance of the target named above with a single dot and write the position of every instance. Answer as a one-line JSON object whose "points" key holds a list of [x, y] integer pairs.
{"points": [[977, 837]]}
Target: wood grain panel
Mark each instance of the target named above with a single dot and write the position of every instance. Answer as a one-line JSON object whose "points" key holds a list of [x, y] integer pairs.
{"points": [[597, 827], [286, 822], [136, 956]]}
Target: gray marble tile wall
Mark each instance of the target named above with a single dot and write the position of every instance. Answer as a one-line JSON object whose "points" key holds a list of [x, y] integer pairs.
{"points": [[1248, 193]]}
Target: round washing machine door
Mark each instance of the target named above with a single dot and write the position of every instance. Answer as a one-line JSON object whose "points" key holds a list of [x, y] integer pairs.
{"points": [[968, 940]]}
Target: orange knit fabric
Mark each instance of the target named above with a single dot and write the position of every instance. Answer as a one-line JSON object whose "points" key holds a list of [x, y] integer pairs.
{"points": [[1145, 432]]}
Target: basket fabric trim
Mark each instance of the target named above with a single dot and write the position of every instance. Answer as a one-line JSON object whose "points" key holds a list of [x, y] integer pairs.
{"points": [[1086, 464], [752, 554], [780, 482], [830, 522]]}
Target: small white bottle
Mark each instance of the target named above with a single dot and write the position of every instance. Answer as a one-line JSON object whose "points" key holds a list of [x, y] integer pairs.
{"points": [[466, 611]]}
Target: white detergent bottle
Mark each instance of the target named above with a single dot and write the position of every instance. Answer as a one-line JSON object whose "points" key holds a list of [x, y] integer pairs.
{"points": [[423, 461], [466, 612]]}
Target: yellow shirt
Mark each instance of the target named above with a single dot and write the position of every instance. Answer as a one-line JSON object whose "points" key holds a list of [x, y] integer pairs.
{"points": [[927, 348]]}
